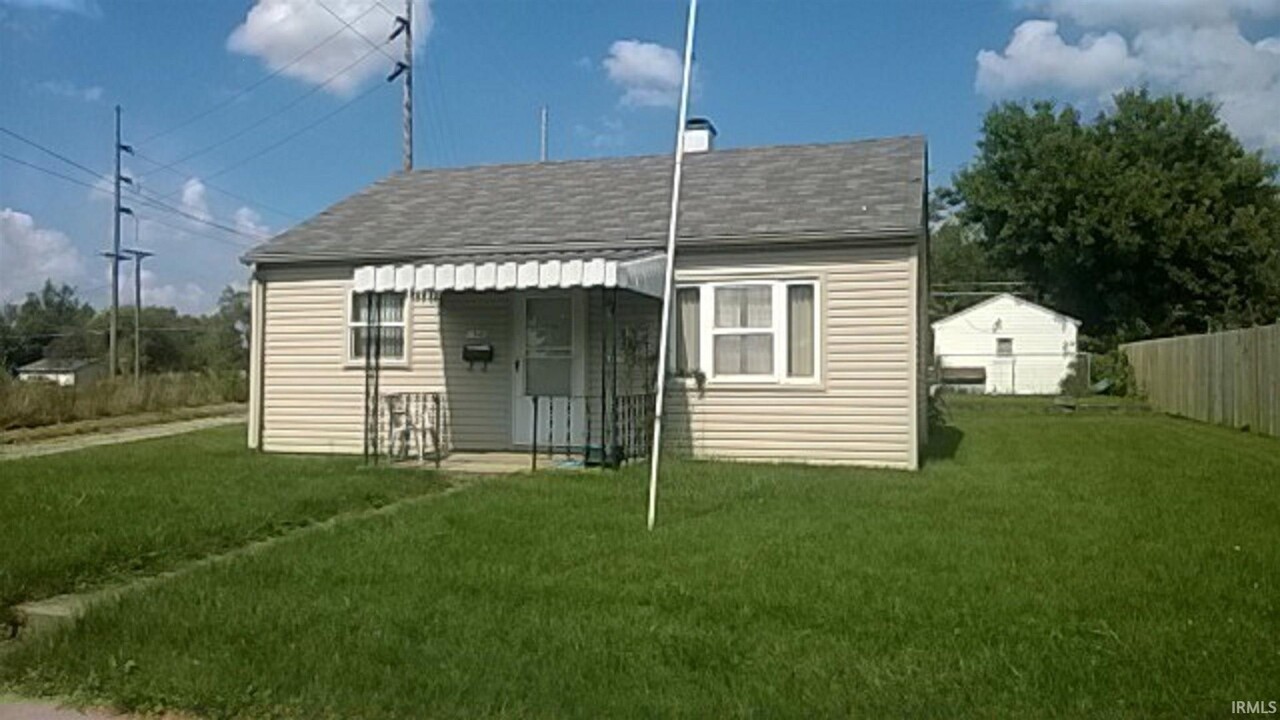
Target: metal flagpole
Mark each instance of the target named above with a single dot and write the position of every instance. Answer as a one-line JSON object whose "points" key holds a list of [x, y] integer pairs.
{"points": [[655, 452]]}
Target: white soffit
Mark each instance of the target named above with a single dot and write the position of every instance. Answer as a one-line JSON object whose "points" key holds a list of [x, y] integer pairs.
{"points": [[643, 275]]}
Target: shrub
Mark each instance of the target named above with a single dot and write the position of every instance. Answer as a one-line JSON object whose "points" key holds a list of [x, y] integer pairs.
{"points": [[1077, 382], [1114, 365]]}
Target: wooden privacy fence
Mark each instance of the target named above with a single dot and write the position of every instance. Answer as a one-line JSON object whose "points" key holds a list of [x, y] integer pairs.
{"points": [[1229, 378]]}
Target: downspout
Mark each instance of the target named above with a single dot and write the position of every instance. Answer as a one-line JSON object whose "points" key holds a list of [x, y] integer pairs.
{"points": [[258, 358]]}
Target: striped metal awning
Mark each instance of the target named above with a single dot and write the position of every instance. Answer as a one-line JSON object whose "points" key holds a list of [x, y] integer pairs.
{"points": [[641, 273]]}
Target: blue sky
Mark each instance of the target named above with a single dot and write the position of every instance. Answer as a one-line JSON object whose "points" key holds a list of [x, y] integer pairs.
{"points": [[768, 72]]}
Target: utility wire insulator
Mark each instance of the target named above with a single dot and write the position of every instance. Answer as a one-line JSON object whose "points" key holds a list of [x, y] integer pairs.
{"points": [[401, 25]]}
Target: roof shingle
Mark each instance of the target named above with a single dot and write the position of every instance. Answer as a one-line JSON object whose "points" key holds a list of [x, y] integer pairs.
{"points": [[865, 188]]}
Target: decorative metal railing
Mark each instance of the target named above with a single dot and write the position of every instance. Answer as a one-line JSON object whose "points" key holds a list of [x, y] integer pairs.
{"points": [[412, 424], [594, 430]]}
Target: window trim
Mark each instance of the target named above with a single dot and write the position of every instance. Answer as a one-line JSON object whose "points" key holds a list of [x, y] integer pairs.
{"points": [[778, 329], [349, 360]]}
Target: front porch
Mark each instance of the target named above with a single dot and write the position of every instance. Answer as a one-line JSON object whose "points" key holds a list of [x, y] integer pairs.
{"points": [[553, 370]]}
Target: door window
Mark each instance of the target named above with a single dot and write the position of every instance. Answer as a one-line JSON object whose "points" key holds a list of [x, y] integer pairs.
{"points": [[548, 346]]}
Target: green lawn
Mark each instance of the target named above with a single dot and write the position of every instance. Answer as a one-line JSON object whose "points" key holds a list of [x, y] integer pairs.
{"points": [[1086, 565], [80, 518]]}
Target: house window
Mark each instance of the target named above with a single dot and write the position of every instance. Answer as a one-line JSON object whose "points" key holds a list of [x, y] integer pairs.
{"points": [[743, 335], [749, 331], [1004, 347], [386, 311]]}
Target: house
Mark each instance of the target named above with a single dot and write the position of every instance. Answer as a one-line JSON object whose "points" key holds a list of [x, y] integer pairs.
{"points": [[68, 372], [515, 307], [1005, 345]]}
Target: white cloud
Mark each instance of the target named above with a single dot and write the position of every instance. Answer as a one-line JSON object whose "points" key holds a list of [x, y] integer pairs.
{"points": [[32, 254], [649, 73], [83, 7], [188, 297], [1153, 13], [1037, 56], [249, 221], [278, 32], [62, 88], [195, 198], [1196, 47]]}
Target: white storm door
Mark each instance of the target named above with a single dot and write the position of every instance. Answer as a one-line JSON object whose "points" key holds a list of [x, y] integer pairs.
{"points": [[550, 342], [1002, 376]]}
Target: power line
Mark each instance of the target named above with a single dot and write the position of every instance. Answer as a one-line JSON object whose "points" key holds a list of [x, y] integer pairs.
{"points": [[318, 121], [102, 176], [105, 191], [260, 121], [54, 173], [179, 172], [189, 231], [49, 151], [352, 28], [252, 86], [161, 205]]}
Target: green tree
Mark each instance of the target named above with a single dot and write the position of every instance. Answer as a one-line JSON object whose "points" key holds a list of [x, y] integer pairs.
{"points": [[1150, 220], [50, 323], [961, 269], [229, 330]]}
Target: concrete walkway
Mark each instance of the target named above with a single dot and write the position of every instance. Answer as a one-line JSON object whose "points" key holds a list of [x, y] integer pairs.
{"points": [[112, 437], [40, 616], [17, 709]]}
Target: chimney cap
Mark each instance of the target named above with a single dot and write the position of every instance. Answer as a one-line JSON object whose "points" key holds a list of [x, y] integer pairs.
{"points": [[701, 123]]}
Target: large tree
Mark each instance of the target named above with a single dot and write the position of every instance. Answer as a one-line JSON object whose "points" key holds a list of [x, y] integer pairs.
{"points": [[961, 269], [1150, 220], [48, 323]]}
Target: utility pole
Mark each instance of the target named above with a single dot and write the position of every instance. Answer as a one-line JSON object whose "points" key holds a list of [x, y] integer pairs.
{"points": [[404, 26], [114, 255], [138, 257], [542, 156]]}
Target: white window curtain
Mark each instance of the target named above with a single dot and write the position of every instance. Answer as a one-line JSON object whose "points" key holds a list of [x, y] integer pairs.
{"points": [[800, 325], [389, 310], [743, 342], [688, 331]]}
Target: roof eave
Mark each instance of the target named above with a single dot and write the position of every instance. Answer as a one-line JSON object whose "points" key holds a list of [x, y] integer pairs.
{"points": [[266, 256]]}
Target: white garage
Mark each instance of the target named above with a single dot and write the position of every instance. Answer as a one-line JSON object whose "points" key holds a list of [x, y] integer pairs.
{"points": [[1005, 345]]}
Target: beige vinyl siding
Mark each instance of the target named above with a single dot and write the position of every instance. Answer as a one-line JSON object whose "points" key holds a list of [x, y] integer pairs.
{"points": [[479, 398], [314, 397], [863, 410]]}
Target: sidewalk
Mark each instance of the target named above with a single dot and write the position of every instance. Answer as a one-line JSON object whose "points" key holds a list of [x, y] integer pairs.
{"points": [[112, 437]]}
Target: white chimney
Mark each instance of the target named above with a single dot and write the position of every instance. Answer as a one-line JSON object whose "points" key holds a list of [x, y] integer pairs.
{"points": [[699, 135]]}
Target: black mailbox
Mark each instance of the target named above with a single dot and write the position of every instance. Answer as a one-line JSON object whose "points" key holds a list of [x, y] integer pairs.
{"points": [[477, 353]]}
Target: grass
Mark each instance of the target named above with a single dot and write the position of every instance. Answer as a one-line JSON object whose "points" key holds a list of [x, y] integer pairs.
{"points": [[36, 404], [1053, 565], [78, 519]]}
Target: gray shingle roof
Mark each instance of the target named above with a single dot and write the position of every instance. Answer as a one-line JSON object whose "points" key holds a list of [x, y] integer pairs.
{"points": [[870, 188], [56, 365]]}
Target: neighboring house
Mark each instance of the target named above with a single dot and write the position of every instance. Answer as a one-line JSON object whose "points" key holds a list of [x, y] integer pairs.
{"points": [[66, 372], [1005, 345], [799, 314]]}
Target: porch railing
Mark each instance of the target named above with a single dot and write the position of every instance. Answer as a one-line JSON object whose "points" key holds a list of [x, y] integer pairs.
{"points": [[595, 431], [413, 426]]}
